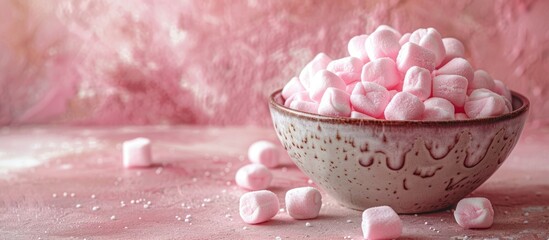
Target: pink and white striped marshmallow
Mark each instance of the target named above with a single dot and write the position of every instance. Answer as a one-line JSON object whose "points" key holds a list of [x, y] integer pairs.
{"points": [[258, 207]]}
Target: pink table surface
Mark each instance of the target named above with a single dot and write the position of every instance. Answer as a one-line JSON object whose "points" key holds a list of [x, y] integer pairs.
{"points": [[52, 179]]}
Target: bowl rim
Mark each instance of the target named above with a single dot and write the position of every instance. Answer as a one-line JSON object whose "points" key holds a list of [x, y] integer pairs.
{"points": [[525, 105]]}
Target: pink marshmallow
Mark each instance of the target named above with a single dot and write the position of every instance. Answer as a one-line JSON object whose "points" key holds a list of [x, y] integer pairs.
{"points": [[308, 107], [454, 49], [438, 109], [382, 43], [292, 87], [382, 71], [381, 223], [253, 177], [481, 79], [412, 54], [347, 68], [359, 115], [303, 202], [350, 87], [457, 66], [335, 103], [430, 39], [483, 103], [320, 62], [502, 90], [370, 98], [322, 80], [259, 206], [450, 87], [387, 27], [300, 96], [404, 39], [417, 81], [404, 106], [137, 153], [357, 48], [474, 212], [264, 152]]}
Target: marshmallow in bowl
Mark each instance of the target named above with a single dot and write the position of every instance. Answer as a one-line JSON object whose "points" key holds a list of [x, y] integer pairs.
{"points": [[421, 63]]}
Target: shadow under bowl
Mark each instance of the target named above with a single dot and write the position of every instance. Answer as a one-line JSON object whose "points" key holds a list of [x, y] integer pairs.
{"points": [[411, 166]]}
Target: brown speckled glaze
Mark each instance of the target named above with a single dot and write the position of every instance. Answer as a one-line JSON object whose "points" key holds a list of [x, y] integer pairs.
{"points": [[412, 166]]}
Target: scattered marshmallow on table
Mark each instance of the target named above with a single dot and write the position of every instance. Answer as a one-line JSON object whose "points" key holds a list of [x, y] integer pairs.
{"points": [[253, 177], [264, 152], [303, 202], [259, 206], [381, 223], [137, 153], [475, 212]]}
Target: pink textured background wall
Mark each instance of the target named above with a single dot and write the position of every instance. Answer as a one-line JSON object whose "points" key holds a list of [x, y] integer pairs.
{"points": [[215, 62]]}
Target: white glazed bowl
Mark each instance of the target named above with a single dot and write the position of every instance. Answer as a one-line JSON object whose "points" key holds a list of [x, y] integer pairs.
{"points": [[412, 166]]}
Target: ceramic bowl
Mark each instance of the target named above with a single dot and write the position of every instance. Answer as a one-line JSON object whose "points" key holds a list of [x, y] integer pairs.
{"points": [[412, 166]]}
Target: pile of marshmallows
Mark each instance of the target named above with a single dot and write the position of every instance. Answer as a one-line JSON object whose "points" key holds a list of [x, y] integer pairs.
{"points": [[260, 205], [414, 76]]}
